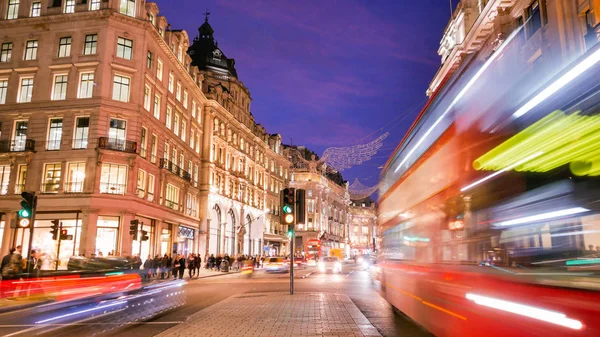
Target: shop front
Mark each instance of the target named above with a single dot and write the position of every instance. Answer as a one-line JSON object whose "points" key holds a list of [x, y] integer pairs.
{"points": [[185, 241], [144, 248], [107, 235], [54, 254]]}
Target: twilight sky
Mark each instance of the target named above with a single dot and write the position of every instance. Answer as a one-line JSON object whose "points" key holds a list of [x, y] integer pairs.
{"points": [[330, 72]]}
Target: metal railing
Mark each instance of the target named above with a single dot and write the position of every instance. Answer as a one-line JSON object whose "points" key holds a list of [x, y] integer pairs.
{"points": [[50, 188], [109, 188], [172, 205], [170, 166], [117, 144], [80, 144], [74, 187], [17, 145]]}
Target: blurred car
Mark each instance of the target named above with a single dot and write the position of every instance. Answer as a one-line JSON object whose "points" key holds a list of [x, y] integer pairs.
{"points": [[300, 263], [330, 263], [276, 265]]}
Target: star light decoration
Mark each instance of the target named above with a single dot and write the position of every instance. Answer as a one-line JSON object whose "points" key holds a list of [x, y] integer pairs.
{"points": [[358, 191], [337, 158]]}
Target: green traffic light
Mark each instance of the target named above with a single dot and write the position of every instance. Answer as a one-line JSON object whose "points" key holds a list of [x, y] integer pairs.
{"points": [[23, 213], [287, 209]]}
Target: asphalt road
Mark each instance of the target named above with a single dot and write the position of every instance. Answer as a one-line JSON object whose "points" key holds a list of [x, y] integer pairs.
{"points": [[357, 284]]}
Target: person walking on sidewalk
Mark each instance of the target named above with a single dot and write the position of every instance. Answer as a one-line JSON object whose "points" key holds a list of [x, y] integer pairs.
{"points": [[181, 266], [211, 262], [198, 264], [176, 265], [191, 264]]}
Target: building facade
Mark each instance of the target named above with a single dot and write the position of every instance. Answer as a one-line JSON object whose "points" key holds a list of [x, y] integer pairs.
{"points": [[106, 117], [327, 206], [362, 220]]}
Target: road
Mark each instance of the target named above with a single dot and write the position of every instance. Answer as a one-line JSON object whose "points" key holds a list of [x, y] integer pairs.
{"points": [[357, 284]]}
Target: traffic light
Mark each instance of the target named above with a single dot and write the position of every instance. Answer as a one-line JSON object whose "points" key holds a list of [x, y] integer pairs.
{"points": [[290, 232], [288, 204], [63, 234], [54, 230], [145, 235], [28, 204], [300, 206], [133, 228]]}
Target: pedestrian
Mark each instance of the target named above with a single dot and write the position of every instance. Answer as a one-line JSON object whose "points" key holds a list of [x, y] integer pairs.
{"points": [[198, 264], [181, 266], [6, 259], [148, 267], [212, 261], [13, 267], [218, 260], [191, 264], [175, 265], [155, 265]]}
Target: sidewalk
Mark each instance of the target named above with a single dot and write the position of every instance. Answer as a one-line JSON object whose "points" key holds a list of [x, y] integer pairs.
{"points": [[277, 315]]}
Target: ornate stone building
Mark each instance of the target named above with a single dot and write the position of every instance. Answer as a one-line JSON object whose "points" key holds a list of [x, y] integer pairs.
{"points": [[106, 117], [327, 204], [242, 168], [363, 234]]}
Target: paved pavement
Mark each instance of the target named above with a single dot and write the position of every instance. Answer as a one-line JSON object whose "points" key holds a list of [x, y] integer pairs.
{"points": [[277, 314]]}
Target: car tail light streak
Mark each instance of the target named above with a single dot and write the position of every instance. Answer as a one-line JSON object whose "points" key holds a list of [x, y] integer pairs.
{"points": [[527, 311]]}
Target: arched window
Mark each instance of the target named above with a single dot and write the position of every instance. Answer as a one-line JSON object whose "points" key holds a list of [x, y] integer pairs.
{"points": [[218, 212]]}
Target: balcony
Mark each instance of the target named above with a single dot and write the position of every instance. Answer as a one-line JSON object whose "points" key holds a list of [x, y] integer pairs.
{"points": [[170, 166], [24, 145], [117, 145]]}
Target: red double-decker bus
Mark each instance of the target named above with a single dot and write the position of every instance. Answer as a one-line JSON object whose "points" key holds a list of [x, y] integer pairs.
{"points": [[313, 249]]}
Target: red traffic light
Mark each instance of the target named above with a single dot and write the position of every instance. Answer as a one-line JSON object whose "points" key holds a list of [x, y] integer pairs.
{"points": [[63, 232]]}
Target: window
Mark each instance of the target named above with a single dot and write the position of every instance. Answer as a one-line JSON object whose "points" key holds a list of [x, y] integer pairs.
{"points": [[534, 18], [25, 90], [185, 99], [196, 175], [124, 48], [120, 88], [172, 197], [80, 138], [20, 135], [13, 9], [127, 7], [157, 106], [59, 89], [153, 148], [95, 5], [198, 142], [192, 138], [183, 129], [178, 91], [166, 151], [64, 46], [75, 177], [36, 9], [150, 195], [176, 125], [193, 108], [159, 69], [51, 179], [113, 179], [171, 82], [86, 85], [22, 176], [180, 54], [147, 98], [4, 179], [31, 50], [70, 6], [311, 206], [117, 129], [149, 60], [6, 52], [54, 134], [168, 117], [141, 184], [151, 17], [143, 143], [3, 91], [91, 41], [188, 204]]}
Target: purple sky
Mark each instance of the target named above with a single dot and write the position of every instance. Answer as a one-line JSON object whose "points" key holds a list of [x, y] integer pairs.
{"points": [[327, 73]]}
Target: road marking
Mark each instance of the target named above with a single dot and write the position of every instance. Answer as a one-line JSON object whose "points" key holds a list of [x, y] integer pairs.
{"points": [[86, 324], [350, 273], [307, 275]]}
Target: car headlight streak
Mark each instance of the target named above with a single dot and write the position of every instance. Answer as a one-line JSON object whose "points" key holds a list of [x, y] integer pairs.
{"points": [[527, 311], [543, 216]]}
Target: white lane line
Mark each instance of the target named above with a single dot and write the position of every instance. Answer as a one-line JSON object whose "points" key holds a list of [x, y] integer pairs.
{"points": [[350, 273]]}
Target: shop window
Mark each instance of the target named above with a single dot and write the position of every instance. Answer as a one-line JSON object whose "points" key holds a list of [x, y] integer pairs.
{"points": [[107, 233]]}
